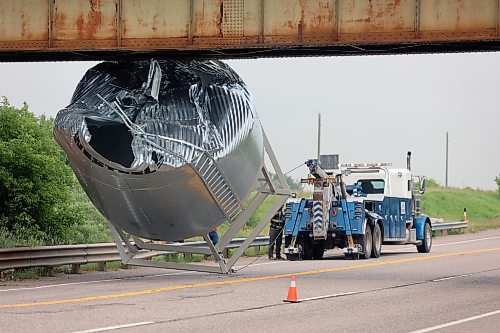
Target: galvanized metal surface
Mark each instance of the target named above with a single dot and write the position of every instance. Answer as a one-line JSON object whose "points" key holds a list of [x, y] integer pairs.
{"points": [[50, 256], [165, 150], [53, 256], [242, 28], [449, 225]]}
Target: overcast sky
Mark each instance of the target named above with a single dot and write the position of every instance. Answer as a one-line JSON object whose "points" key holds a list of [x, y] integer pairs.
{"points": [[373, 109]]}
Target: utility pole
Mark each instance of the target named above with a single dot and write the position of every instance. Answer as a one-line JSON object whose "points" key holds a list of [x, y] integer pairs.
{"points": [[446, 179], [319, 133]]}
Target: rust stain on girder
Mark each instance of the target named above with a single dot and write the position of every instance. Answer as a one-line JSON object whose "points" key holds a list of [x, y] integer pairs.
{"points": [[85, 19], [458, 15], [25, 18], [208, 17], [141, 19], [377, 16], [156, 25], [87, 24], [290, 18]]}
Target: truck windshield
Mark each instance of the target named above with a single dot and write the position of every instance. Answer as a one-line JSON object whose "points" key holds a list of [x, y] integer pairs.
{"points": [[372, 186]]}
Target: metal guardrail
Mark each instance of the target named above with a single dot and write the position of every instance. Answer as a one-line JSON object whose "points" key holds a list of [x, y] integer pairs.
{"points": [[75, 255], [449, 225]]}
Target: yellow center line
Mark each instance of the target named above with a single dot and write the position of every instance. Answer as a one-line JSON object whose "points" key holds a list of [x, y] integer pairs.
{"points": [[245, 280]]}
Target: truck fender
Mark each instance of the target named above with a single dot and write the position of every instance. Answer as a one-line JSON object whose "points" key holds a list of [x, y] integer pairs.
{"points": [[372, 218], [419, 225]]}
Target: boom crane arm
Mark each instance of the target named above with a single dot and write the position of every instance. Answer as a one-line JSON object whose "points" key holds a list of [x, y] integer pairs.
{"points": [[327, 188]]}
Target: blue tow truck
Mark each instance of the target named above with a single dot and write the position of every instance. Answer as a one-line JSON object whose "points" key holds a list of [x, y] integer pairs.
{"points": [[357, 207]]}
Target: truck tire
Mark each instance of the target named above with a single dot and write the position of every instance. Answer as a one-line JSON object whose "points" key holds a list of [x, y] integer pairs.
{"points": [[318, 250], [366, 243], [376, 241], [426, 245]]}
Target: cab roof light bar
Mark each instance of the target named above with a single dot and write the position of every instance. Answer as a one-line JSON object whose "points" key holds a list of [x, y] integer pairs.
{"points": [[363, 165]]}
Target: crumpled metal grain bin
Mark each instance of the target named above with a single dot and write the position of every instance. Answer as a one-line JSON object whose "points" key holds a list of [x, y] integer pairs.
{"points": [[165, 149]]}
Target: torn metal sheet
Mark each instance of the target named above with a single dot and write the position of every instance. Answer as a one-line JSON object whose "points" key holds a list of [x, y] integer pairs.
{"points": [[164, 149]]}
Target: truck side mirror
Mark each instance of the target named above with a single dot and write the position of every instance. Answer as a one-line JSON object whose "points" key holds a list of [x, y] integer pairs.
{"points": [[421, 189]]}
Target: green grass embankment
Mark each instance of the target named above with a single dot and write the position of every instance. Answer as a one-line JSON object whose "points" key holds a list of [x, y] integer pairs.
{"points": [[483, 207]]}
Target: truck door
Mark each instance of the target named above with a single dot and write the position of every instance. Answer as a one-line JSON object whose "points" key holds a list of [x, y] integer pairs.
{"points": [[402, 217], [382, 209], [394, 218]]}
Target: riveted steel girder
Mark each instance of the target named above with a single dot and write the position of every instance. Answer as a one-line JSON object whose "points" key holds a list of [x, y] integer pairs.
{"points": [[111, 29]]}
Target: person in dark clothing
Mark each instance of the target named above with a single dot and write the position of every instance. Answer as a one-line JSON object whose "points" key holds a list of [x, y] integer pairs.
{"points": [[276, 235], [214, 236]]}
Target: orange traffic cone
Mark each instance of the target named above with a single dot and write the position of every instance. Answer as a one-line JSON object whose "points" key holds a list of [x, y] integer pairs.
{"points": [[292, 292]]}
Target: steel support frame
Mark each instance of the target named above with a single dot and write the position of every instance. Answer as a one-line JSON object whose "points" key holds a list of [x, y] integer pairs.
{"points": [[129, 251]]}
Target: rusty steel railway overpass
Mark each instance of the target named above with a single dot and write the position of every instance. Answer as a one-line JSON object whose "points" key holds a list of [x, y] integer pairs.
{"points": [[52, 30]]}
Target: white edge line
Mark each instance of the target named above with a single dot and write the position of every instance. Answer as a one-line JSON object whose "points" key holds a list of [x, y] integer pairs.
{"points": [[358, 292], [450, 277], [328, 296], [443, 244], [110, 328], [467, 241], [456, 322]]}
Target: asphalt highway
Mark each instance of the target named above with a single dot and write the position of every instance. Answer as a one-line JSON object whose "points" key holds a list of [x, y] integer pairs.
{"points": [[455, 288]]}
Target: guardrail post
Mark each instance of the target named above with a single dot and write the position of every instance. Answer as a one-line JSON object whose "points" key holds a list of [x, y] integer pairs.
{"points": [[101, 266], [75, 269]]}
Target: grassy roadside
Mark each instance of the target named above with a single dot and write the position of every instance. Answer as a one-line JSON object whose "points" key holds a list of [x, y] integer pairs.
{"points": [[483, 207]]}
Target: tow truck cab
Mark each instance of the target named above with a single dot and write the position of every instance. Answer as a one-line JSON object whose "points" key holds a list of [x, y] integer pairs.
{"points": [[387, 193]]}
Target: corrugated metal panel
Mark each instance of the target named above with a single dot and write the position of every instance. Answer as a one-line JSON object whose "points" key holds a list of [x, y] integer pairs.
{"points": [[376, 16], [85, 19], [155, 18], [24, 20], [177, 152]]}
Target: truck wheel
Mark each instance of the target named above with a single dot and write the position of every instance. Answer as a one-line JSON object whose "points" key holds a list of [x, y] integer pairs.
{"points": [[426, 245], [318, 250], [376, 241], [366, 243]]}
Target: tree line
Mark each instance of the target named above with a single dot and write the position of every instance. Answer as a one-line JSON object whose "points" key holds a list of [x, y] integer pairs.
{"points": [[41, 201]]}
